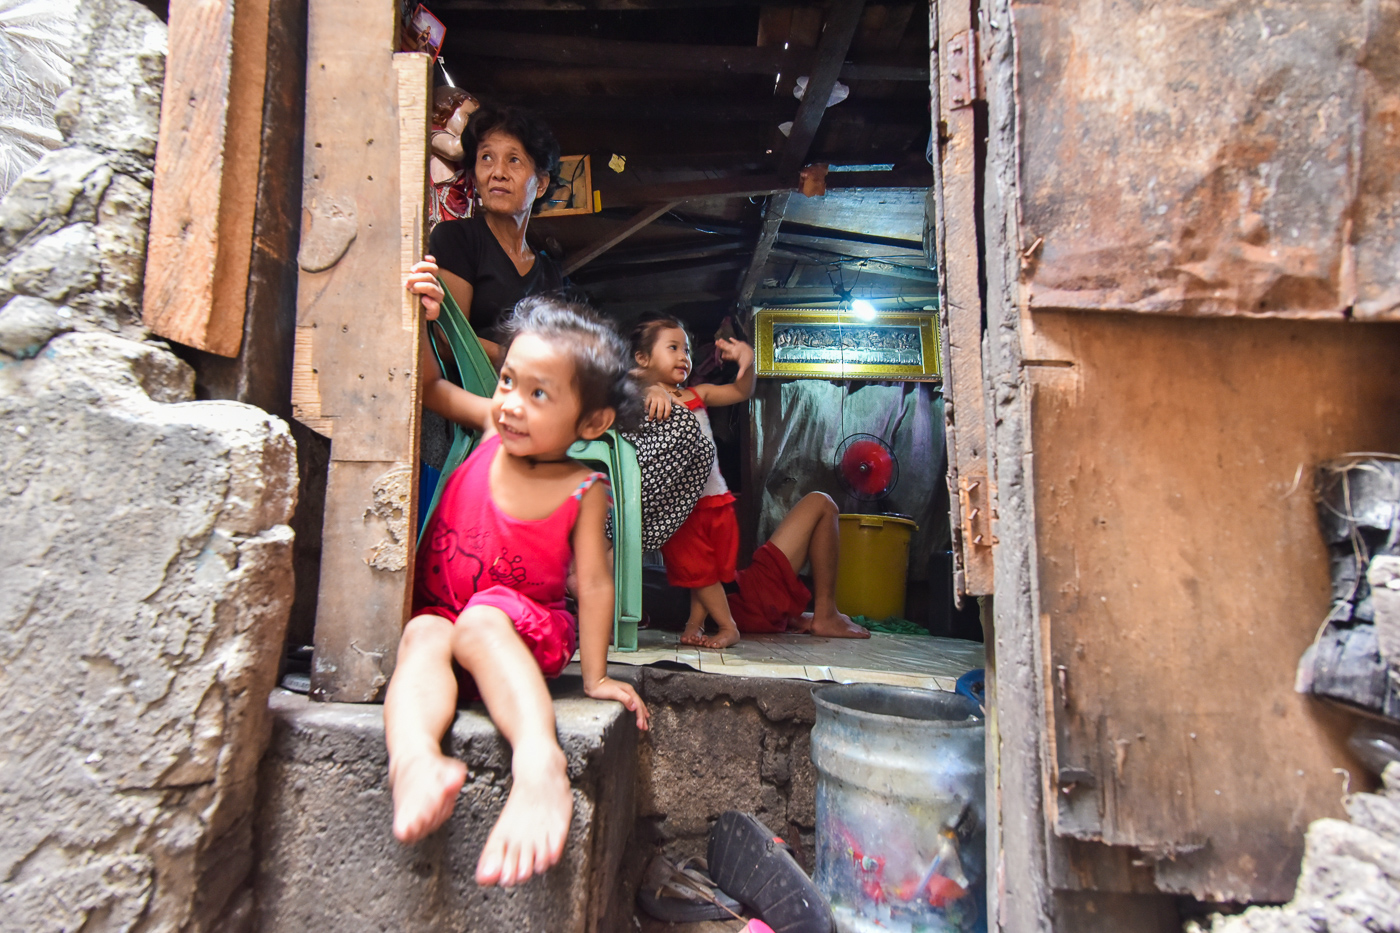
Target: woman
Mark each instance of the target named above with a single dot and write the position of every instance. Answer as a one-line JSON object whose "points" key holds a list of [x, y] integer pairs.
{"points": [[485, 260]]}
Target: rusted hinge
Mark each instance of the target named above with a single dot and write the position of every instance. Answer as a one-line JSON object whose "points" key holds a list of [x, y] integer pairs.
{"points": [[964, 73]]}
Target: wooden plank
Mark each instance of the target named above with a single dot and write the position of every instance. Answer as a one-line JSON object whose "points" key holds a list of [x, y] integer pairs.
{"points": [[736, 186], [261, 372], [1020, 846], [955, 236], [643, 217], [841, 22], [553, 6], [772, 219], [672, 56], [1177, 547], [866, 266], [355, 373], [205, 190], [718, 109], [749, 186], [881, 296]]}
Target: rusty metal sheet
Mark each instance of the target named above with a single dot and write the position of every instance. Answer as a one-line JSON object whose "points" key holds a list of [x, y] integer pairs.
{"points": [[1202, 158], [1378, 216]]}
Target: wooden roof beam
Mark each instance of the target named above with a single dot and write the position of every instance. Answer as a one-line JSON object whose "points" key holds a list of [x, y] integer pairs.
{"points": [[748, 186], [643, 217], [840, 30], [674, 56]]}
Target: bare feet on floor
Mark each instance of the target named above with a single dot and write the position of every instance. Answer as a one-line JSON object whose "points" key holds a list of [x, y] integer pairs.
{"points": [[425, 788], [695, 635], [529, 837], [829, 625]]}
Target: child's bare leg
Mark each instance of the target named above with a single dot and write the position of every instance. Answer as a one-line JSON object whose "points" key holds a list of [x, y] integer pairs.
{"points": [[716, 605], [694, 633], [529, 836], [811, 532], [418, 708]]}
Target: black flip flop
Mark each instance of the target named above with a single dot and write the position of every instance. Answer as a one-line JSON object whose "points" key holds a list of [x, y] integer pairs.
{"points": [[757, 869], [665, 894]]}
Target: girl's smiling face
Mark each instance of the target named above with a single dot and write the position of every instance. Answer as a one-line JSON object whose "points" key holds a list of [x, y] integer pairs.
{"points": [[536, 407], [506, 178], [669, 359]]}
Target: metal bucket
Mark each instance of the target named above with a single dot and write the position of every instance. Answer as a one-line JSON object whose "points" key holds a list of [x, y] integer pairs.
{"points": [[901, 809]]}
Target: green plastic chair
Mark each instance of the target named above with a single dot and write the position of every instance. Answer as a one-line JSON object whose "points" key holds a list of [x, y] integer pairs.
{"points": [[612, 454]]}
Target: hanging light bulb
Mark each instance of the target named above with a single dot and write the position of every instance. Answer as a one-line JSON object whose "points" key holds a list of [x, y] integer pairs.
{"points": [[863, 309]]}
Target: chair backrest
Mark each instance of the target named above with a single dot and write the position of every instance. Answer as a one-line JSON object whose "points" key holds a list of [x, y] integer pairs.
{"points": [[471, 369]]}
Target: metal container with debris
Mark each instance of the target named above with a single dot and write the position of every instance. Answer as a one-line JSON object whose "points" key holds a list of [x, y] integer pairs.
{"points": [[901, 809]]}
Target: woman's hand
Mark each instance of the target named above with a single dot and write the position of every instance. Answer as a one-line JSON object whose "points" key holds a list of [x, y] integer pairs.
{"points": [[734, 351], [658, 403], [609, 689], [422, 281]]}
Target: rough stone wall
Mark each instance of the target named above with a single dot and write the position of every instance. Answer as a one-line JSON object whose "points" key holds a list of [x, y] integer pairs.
{"points": [[717, 744], [1350, 880], [145, 568]]}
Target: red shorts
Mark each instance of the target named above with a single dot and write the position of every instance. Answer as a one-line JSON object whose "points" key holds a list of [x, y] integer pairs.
{"points": [[550, 634], [770, 594], [705, 549]]}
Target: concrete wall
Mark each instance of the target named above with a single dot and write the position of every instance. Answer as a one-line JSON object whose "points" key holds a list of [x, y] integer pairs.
{"points": [[145, 570], [717, 744]]}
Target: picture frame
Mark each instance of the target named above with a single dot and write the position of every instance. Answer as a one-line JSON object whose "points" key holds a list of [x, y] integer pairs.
{"points": [[575, 194], [423, 32], [800, 343]]}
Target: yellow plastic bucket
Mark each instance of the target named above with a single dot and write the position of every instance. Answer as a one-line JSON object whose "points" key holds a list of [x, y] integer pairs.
{"points": [[874, 565]]}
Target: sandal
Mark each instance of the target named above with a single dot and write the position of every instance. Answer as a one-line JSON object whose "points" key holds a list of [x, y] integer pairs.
{"points": [[757, 869], [683, 893]]}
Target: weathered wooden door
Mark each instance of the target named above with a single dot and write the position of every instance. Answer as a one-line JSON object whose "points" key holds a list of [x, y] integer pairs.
{"points": [[1189, 231]]}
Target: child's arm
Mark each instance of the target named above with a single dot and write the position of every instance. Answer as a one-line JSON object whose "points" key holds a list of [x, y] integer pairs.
{"points": [[438, 394], [595, 605], [447, 399], [741, 389]]}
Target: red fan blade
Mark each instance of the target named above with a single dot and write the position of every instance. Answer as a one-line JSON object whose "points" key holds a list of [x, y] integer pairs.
{"points": [[867, 467]]}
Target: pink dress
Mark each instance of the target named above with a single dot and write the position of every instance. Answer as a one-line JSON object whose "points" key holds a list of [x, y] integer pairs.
{"points": [[474, 554]]}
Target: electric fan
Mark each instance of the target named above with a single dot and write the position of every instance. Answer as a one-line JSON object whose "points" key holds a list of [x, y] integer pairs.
{"points": [[866, 467]]}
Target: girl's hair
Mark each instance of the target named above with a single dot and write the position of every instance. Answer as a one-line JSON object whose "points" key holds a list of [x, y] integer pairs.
{"points": [[648, 331], [533, 135], [602, 374], [446, 100]]}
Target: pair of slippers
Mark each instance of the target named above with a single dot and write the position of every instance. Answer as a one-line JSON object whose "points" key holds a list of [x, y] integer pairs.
{"points": [[747, 867]]}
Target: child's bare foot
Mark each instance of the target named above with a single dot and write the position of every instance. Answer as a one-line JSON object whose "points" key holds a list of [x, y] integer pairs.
{"points": [[694, 633], [425, 788], [728, 635], [831, 624], [528, 839]]}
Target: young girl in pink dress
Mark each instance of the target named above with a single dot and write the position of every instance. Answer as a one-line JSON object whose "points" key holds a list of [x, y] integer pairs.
{"points": [[490, 581]]}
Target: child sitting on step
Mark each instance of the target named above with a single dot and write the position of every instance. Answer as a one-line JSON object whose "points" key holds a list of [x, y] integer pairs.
{"points": [[490, 581]]}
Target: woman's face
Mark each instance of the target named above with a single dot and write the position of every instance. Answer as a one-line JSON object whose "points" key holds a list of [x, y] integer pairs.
{"points": [[506, 178]]}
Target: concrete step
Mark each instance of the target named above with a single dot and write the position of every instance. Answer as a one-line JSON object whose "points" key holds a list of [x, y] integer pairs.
{"points": [[328, 862]]}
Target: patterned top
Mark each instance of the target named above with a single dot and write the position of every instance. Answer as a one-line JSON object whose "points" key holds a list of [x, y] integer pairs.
{"points": [[675, 456], [471, 545]]}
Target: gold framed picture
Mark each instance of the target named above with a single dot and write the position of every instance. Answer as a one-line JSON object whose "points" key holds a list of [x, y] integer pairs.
{"points": [[575, 192], [899, 346]]}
